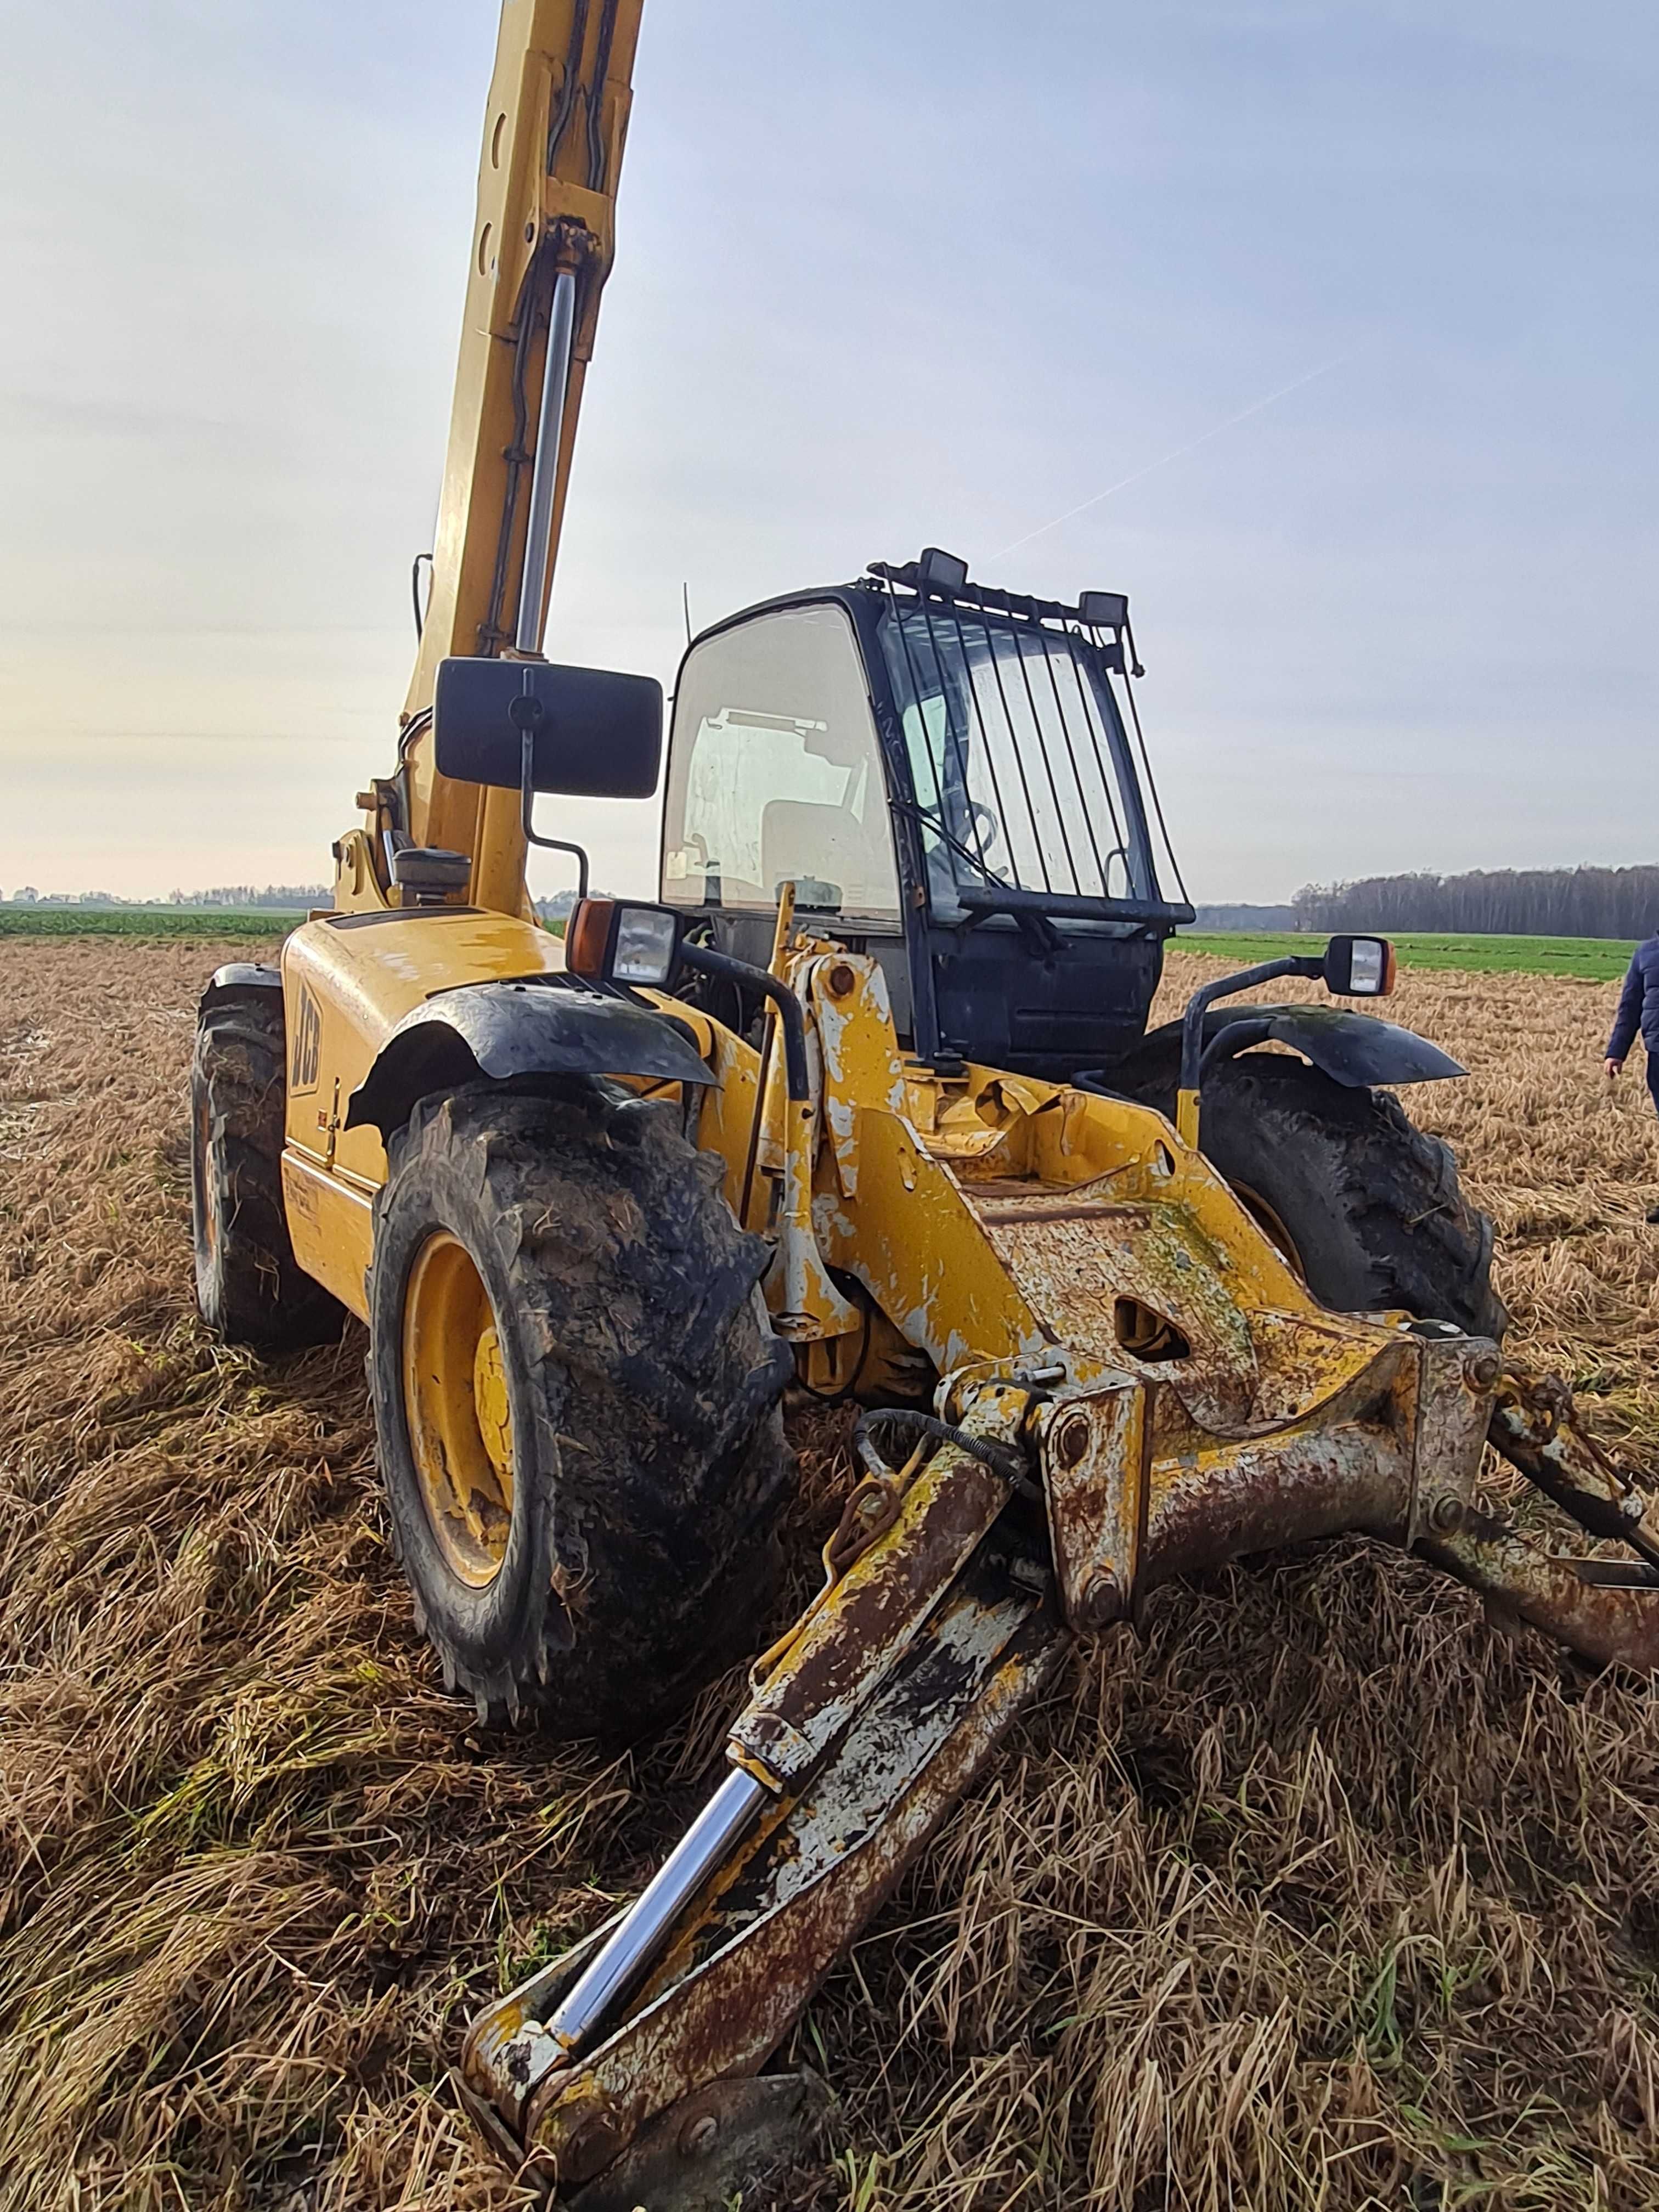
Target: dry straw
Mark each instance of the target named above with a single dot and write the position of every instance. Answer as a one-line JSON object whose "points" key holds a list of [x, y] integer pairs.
{"points": [[1326, 1895]]}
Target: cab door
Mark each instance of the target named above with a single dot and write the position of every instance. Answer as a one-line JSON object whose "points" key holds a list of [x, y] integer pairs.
{"points": [[776, 776]]}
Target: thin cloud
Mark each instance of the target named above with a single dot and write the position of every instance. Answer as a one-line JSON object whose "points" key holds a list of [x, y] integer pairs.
{"points": [[1256, 407]]}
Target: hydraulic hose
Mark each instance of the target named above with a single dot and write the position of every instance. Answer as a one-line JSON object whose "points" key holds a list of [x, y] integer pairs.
{"points": [[1006, 1460]]}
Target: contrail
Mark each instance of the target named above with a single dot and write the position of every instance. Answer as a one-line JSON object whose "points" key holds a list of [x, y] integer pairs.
{"points": [[1123, 482]]}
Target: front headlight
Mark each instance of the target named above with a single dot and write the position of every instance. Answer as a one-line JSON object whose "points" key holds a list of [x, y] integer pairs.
{"points": [[646, 939], [1359, 967], [611, 941]]}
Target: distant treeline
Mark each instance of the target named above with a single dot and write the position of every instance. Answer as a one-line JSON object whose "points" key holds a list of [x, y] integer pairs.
{"points": [[1246, 918], [1498, 902], [246, 895], [292, 898]]}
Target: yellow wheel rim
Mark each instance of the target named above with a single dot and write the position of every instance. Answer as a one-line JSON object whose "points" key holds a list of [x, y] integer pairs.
{"points": [[455, 1399], [205, 1177]]}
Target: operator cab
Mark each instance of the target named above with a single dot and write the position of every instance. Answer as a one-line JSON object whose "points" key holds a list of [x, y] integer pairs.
{"points": [[945, 772]]}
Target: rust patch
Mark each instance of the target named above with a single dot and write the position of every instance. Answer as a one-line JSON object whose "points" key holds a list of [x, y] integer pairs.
{"points": [[1536, 1426], [1095, 1476], [867, 1621], [739, 1998], [1608, 1624], [994, 1215], [1073, 1263], [1219, 1502]]}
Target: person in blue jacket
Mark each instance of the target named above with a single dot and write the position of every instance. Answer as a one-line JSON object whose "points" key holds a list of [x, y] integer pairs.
{"points": [[1638, 1009]]}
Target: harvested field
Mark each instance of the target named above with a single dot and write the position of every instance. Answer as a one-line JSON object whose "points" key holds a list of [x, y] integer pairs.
{"points": [[1327, 1895]]}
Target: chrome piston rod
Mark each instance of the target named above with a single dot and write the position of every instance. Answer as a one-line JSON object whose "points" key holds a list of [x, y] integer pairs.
{"points": [[628, 1955], [538, 538]]}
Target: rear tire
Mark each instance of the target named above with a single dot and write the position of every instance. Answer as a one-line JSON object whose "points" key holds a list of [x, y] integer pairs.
{"points": [[1371, 1203], [588, 1526], [249, 1286]]}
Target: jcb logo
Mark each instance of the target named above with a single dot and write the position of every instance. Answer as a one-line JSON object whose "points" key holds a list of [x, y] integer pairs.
{"points": [[307, 1043]]}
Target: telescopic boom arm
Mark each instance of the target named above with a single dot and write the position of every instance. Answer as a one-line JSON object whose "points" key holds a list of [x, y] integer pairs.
{"points": [[543, 241]]}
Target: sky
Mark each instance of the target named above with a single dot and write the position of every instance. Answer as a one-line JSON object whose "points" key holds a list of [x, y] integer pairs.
{"points": [[887, 276]]}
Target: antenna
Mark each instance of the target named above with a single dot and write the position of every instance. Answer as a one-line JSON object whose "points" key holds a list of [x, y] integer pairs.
{"points": [[685, 609]]}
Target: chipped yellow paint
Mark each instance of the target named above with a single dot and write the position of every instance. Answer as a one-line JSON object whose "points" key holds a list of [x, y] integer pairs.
{"points": [[917, 1246], [489, 1400], [858, 1051]]}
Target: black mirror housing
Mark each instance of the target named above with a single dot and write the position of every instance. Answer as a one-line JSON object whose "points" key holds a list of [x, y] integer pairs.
{"points": [[597, 734]]}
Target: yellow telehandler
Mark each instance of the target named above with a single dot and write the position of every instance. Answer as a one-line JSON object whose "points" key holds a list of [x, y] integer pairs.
{"points": [[866, 1103]]}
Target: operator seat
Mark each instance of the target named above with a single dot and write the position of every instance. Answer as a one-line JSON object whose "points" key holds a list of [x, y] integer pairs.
{"points": [[802, 842], [427, 875]]}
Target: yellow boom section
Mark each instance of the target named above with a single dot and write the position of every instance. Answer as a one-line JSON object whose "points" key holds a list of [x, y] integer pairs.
{"points": [[553, 141]]}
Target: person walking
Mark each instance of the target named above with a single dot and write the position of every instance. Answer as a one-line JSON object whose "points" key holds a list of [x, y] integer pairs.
{"points": [[1638, 1009]]}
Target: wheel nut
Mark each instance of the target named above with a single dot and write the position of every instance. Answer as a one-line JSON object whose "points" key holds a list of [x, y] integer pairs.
{"points": [[1072, 1440], [1446, 1515], [698, 2135], [1483, 1369], [1101, 1603]]}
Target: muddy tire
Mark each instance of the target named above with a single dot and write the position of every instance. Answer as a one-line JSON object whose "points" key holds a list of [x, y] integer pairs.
{"points": [[617, 1549], [249, 1287], [1369, 1202]]}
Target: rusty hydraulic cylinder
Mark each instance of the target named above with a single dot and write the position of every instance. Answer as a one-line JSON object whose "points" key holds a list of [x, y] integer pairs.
{"points": [[1586, 1604], [630, 1952]]}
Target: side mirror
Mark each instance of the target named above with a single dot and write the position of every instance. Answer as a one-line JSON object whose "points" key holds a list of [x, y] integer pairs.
{"points": [[594, 735], [1359, 967]]}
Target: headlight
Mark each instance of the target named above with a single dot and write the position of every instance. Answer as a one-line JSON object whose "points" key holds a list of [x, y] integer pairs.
{"points": [[1359, 967], [610, 942], [647, 938]]}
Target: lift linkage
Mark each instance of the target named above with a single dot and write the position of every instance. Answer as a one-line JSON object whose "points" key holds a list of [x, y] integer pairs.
{"points": [[625, 2072]]}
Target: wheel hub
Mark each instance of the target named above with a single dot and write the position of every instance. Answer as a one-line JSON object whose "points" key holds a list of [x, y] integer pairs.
{"points": [[490, 1398], [458, 1408]]}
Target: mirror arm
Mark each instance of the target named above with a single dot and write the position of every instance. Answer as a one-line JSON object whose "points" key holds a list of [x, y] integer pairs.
{"points": [[526, 804], [790, 1020], [1192, 1029]]}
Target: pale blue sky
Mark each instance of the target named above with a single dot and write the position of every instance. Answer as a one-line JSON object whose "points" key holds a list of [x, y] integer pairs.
{"points": [[886, 275]]}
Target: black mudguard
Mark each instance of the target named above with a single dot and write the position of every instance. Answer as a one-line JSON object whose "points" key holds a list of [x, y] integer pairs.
{"points": [[499, 1031], [1355, 1049], [241, 976]]}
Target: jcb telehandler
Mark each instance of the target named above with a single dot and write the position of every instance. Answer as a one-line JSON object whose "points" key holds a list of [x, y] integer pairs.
{"points": [[866, 1102]]}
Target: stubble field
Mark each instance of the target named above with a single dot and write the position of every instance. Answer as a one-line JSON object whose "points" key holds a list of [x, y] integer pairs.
{"points": [[1328, 1894]]}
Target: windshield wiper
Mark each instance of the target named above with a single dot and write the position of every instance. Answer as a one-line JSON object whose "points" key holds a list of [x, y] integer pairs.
{"points": [[924, 819]]}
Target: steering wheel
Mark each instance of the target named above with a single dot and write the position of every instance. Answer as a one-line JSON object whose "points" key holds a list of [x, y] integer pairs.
{"points": [[985, 827]]}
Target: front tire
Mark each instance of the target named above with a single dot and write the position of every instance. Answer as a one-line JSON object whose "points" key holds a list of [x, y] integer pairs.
{"points": [[1371, 1204], [577, 1401]]}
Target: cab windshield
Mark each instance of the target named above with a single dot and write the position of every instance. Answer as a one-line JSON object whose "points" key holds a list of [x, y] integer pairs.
{"points": [[775, 773], [1022, 771]]}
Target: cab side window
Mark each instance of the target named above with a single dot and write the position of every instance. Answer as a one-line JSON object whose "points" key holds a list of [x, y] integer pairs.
{"points": [[775, 773]]}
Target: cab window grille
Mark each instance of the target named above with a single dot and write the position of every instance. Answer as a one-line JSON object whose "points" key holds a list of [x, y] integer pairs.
{"points": [[1021, 768]]}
